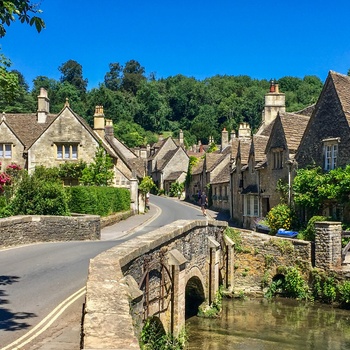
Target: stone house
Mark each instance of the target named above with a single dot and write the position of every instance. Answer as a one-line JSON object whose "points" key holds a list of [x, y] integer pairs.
{"points": [[45, 139], [326, 140], [168, 162]]}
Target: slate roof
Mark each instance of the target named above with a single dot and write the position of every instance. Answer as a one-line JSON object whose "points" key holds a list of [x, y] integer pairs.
{"points": [[223, 176], [307, 110], [26, 127], [342, 86], [244, 147], [259, 143], [174, 175], [198, 169], [294, 126]]}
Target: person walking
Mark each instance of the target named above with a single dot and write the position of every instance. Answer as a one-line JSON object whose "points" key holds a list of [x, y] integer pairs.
{"points": [[204, 203]]}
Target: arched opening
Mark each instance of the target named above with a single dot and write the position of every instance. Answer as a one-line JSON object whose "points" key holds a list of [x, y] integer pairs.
{"points": [[194, 296], [152, 333]]}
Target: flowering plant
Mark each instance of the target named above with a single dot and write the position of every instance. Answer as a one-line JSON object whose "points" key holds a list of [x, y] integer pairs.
{"points": [[280, 216]]}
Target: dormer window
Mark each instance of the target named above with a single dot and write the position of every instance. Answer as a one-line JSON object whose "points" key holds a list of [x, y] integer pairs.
{"points": [[66, 151], [330, 150]]}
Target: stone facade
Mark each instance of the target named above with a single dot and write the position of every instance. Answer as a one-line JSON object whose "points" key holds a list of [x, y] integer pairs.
{"points": [[27, 229]]}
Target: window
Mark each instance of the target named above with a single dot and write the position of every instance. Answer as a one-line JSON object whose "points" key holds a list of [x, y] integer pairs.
{"points": [[5, 150], [330, 153], [277, 159], [67, 151], [251, 205]]}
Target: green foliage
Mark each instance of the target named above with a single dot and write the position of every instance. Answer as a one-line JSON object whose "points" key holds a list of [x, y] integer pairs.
{"points": [[147, 185], [344, 294], [176, 188], [99, 172], [39, 195], [96, 200], [283, 189], [24, 10], [285, 246], [314, 189], [213, 310], [235, 235], [280, 216], [153, 337], [70, 170], [309, 233], [291, 284]]}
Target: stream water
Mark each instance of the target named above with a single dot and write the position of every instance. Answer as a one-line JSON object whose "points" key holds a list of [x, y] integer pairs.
{"points": [[259, 324]]}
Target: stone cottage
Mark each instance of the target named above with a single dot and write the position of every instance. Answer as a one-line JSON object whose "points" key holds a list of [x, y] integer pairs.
{"points": [[46, 139]]}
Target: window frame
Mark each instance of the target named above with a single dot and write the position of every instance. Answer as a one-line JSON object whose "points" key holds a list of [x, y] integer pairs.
{"points": [[6, 150], [66, 151], [330, 153]]}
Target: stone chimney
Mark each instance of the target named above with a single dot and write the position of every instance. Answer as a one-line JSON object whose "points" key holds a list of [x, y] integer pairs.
{"points": [[232, 135], [244, 131], [43, 106], [224, 138], [274, 102], [181, 138], [109, 130], [99, 121]]}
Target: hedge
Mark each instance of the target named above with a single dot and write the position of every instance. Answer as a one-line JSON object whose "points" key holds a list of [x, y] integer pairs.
{"points": [[96, 200]]}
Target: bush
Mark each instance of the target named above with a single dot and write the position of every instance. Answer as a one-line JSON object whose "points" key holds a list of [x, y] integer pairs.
{"points": [[344, 294], [309, 233], [280, 216], [37, 196], [97, 200]]}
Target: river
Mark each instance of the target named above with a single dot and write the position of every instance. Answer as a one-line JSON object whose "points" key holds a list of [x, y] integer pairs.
{"points": [[281, 324]]}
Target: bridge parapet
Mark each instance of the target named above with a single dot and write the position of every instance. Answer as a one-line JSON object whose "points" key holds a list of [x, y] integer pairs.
{"points": [[147, 276]]}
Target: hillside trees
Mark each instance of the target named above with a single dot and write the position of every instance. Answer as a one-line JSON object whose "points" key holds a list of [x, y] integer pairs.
{"points": [[201, 108]]}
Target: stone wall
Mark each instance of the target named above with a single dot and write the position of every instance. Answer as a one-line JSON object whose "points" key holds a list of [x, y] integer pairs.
{"points": [[113, 317], [17, 230], [259, 255]]}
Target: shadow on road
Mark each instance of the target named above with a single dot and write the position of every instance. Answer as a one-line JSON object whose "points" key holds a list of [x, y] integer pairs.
{"points": [[11, 321]]}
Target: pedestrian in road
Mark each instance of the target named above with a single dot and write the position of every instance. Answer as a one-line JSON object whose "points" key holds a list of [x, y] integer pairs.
{"points": [[204, 203]]}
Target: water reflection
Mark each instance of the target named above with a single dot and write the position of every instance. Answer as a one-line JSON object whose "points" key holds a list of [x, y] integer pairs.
{"points": [[259, 324]]}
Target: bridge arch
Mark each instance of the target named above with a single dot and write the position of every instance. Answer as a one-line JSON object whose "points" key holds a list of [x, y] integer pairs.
{"points": [[194, 292]]}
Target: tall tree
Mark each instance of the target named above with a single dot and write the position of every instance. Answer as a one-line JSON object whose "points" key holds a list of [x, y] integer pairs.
{"points": [[23, 10], [72, 72], [133, 76], [113, 78]]}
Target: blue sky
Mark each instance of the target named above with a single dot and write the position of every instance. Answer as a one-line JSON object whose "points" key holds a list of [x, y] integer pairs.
{"points": [[198, 38]]}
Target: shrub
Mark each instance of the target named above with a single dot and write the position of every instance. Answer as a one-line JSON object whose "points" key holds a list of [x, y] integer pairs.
{"points": [[294, 285], [96, 200], [38, 196], [344, 294], [309, 233], [280, 216]]}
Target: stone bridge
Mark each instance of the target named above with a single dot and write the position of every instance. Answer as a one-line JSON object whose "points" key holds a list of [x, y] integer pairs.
{"points": [[166, 274], [163, 274]]}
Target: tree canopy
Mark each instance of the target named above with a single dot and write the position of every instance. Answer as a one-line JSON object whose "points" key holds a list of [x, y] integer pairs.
{"points": [[141, 107], [24, 10]]}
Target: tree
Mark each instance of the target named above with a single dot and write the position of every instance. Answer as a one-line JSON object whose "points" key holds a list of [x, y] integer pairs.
{"points": [[113, 78], [99, 172], [72, 72], [9, 82], [133, 76], [24, 10]]}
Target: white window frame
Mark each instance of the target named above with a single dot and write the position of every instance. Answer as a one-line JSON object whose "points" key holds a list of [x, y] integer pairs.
{"points": [[67, 151], [6, 150], [251, 205], [330, 153]]}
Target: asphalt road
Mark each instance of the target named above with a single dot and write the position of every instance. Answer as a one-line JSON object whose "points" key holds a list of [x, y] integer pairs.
{"points": [[34, 279]]}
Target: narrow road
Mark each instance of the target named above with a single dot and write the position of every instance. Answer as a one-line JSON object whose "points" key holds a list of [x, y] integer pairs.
{"points": [[34, 279]]}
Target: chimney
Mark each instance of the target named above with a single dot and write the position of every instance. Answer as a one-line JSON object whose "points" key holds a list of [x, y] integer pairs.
{"points": [[109, 130], [99, 121], [181, 138], [244, 131], [224, 138], [275, 102], [232, 135], [43, 106]]}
